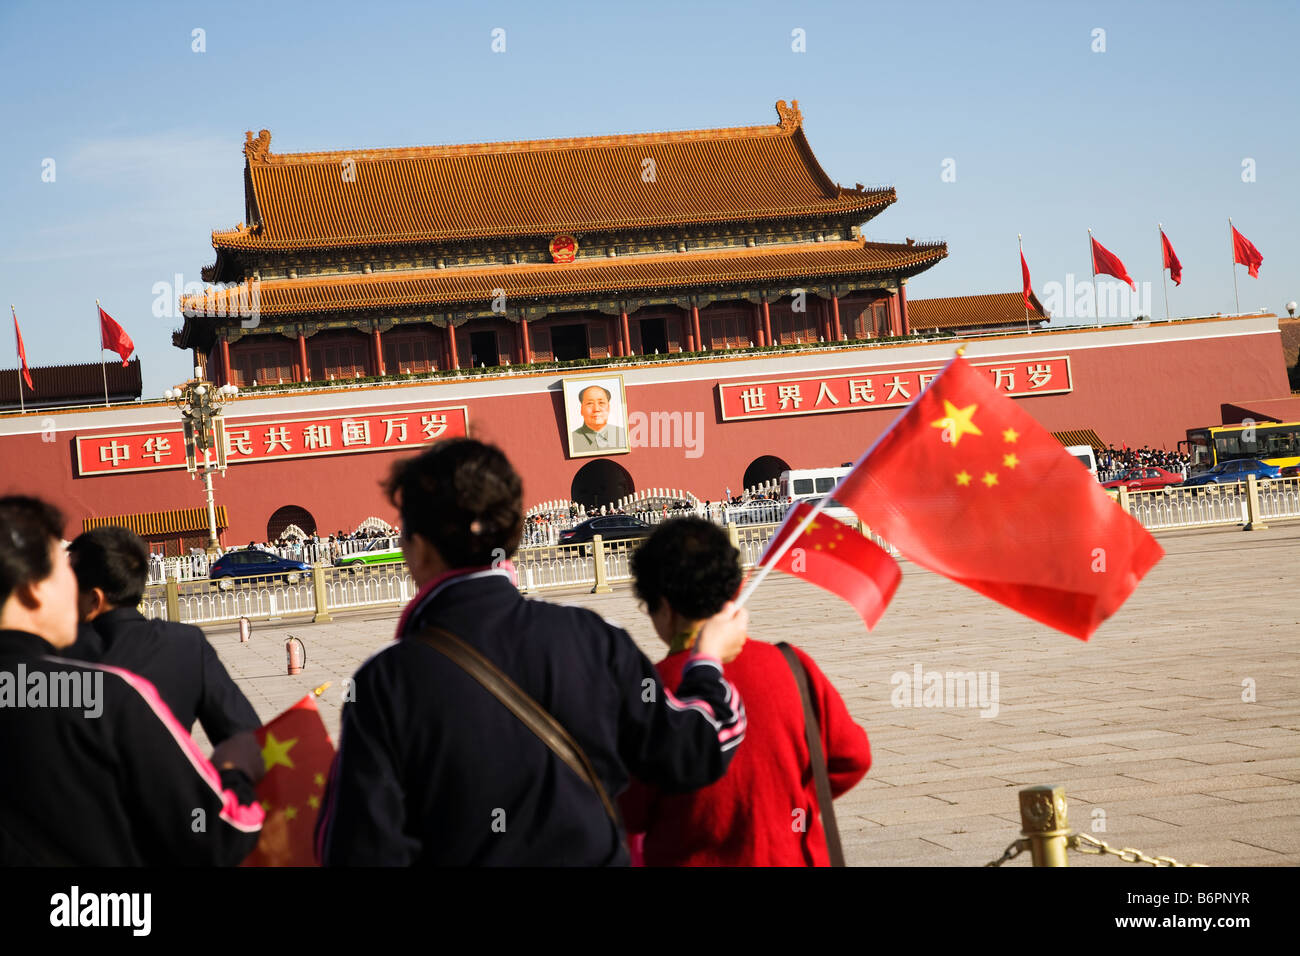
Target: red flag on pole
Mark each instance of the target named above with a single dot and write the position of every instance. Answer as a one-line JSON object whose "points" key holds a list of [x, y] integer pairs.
{"points": [[1024, 275], [1171, 261], [297, 753], [22, 353], [113, 337], [836, 558], [968, 484], [1244, 253], [1106, 263]]}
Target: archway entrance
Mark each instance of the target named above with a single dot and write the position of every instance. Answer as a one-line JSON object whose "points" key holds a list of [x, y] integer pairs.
{"points": [[283, 517], [600, 482], [766, 468]]}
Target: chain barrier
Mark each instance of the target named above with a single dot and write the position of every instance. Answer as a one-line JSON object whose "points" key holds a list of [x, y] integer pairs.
{"points": [[1011, 852], [1090, 846]]}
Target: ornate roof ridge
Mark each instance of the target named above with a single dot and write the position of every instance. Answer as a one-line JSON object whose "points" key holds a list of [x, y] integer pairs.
{"points": [[257, 149]]}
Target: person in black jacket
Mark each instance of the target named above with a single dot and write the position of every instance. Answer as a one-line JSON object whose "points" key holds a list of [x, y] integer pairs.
{"points": [[433, 769], [96, 770], [112, 567]]}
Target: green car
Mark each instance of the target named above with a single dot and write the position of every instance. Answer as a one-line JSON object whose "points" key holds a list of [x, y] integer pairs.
{"points": [[384, 556]]}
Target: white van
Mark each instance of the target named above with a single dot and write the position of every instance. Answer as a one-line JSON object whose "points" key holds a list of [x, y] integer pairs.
{"points": [[1086, 455], [811, 484]]}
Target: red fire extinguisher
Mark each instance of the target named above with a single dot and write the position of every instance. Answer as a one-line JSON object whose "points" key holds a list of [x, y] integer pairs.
{"points": [[296, 651]]}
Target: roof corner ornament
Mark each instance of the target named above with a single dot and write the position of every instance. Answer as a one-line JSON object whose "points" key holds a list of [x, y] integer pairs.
{"points": [[257, 148], [791, 118]]}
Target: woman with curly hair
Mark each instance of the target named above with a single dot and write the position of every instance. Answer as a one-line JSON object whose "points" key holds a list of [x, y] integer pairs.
{"points": [[432, 768], [764, 811]]}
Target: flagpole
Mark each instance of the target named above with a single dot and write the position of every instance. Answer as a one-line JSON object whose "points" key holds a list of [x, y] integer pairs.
{"points": [[1164, 279], [1021, 242], [1235, 297], [1096, 296], [102, 369], [22, 404]]}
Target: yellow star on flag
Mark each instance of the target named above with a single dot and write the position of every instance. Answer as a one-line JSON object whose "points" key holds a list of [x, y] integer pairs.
{"points": [[957, 422], [290, 812], [989, 479], [320, 779], [276, 752], [313, 802], [1010, 435], [1010, 460], [963, 477]]}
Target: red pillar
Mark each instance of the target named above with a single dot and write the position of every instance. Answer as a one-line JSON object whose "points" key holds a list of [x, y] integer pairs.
{"points": [[690, 335], [824, 320], [303, 367], [379, 351], [902, 309], [627, 334], [835, 318], [756, 323], [454, 360], [695, 323], [225, 361], [527, 346], [767, 323]]}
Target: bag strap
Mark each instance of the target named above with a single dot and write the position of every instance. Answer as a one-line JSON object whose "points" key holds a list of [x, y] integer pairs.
{"points": [[813, 735], [530, 713]]}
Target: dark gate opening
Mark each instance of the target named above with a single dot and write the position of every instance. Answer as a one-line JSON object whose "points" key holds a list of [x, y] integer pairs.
{"points": [[764, 469], [600, 482]]}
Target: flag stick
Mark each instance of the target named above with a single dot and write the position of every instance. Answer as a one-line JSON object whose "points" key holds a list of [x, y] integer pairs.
{"points": [[785, 546], [102, 370], [1096, 296], [1021, 242], [1234, 268], [1164, 279], [22, 405]]}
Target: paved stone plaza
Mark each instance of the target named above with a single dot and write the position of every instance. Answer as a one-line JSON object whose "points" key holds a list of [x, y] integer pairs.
{"points": [[1145, 725]]}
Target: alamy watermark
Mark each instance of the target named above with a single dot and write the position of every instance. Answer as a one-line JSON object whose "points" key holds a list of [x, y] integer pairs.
{"points": [[1081, 298], [242, 300], [674, 429], [946, 689], [76, 689]]}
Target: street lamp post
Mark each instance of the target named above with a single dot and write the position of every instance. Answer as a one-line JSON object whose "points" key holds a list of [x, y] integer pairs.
{"points": [[200, 405]]}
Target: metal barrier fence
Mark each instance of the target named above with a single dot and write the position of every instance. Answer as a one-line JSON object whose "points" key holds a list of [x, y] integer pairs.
{"points": [[599, 563], [195, 566]]}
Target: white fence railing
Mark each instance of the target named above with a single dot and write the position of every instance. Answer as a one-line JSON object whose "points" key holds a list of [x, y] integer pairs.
{"points": [[550, 566], [194, 566]]}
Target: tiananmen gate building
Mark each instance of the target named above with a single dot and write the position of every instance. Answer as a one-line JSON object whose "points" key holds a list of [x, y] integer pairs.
{"points": [[715, 285]]}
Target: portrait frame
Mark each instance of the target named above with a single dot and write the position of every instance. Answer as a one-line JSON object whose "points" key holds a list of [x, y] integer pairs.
{"points": [[577, 430]]}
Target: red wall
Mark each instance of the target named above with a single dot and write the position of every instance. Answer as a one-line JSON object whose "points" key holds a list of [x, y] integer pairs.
{"points": [[1139, 394]]}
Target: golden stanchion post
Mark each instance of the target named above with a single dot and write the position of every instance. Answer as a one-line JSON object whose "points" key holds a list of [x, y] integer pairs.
{"points": [[598, 556], [1043, 821]]}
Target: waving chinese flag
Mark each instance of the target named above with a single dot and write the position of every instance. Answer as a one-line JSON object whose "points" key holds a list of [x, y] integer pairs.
{"points": [[1106, 263], [838, 559], [113, 337], [297, 753], [22, 352], [1024, 275], [968, 484], [1171, 261], [1245, 254]]}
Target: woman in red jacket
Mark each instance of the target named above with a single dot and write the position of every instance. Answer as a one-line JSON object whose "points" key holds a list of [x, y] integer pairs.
{"points": [[764, 811]]}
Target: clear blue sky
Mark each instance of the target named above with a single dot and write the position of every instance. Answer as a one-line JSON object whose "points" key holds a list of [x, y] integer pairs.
{"points": [[1048, 136]]}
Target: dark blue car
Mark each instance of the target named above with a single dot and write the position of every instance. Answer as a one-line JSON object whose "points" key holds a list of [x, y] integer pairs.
{"points": [[1230, 472], [250, 561]]}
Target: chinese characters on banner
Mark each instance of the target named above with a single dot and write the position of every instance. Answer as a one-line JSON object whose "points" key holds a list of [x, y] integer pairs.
{"points": [[880, 388], [271, 440]]}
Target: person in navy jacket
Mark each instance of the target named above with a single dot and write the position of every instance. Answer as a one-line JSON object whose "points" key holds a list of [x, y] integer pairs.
{"points": [[433, 769]]}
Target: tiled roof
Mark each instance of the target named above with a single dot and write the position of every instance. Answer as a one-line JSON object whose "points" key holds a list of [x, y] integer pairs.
{"points": [[583, 276], [1080, 436], [70, 384], [540, 187], [160, 522], [1000, 308], [1290, 329]]}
